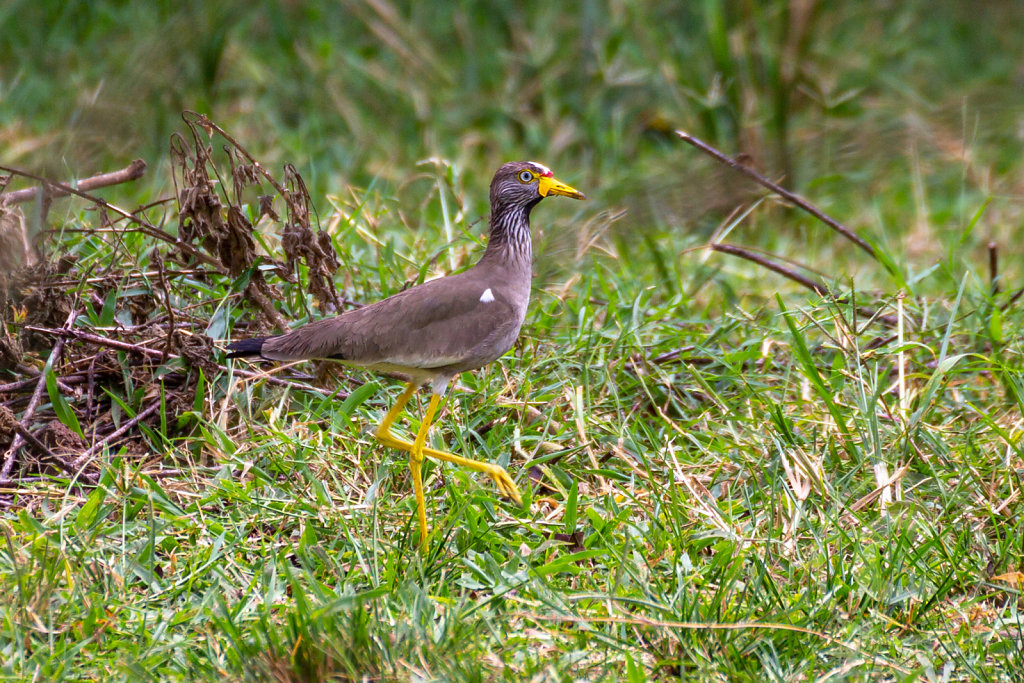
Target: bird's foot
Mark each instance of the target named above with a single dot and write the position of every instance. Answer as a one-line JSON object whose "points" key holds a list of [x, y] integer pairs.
{"points": [[501, 477], [504, 483]]}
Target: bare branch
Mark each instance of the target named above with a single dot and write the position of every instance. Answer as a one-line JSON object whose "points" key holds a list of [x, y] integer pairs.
{"points": [[760, 260], [7, 417], [145, 226], [133, 171], [791, 197], [159, 355], [123, 429], [19, 438], [816, 286]]}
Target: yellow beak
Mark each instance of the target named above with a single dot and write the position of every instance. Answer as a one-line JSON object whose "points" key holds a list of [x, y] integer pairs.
{"points": [[548, 185]]}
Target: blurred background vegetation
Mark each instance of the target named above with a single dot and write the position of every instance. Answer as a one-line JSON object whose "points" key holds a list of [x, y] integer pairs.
{"points": [[829, 96]]}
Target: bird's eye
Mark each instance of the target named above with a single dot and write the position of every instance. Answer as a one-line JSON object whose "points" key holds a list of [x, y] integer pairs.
{"points": [[525, 176]]}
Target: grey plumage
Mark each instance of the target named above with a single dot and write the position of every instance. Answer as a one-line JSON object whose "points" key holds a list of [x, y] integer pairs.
{"points": [[440, 328], [434, 331]]}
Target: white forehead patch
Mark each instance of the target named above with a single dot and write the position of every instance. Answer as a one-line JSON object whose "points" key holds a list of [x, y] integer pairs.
{"points": [[487, 297], [544, 170]]}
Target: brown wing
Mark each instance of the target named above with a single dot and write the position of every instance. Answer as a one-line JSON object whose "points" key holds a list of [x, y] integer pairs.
{"points": [[437, 324]]}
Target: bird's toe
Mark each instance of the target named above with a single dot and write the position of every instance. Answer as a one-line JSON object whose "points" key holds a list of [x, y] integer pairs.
{"points": [[506, 485]]}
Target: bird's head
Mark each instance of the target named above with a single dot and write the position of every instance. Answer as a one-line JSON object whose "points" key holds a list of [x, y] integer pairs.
{"points": [[525, 183]]}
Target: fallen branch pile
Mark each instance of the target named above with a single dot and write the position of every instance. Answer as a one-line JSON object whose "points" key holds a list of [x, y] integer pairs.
{"points": [[106, 348]]}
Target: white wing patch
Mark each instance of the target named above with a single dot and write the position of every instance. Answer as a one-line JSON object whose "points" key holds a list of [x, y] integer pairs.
{"points": [[487, 297]]}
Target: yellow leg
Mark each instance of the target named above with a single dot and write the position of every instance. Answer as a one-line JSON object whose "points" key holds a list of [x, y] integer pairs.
{"points": [[415, 464], [418, 449], [421, 502], [384, 434]]}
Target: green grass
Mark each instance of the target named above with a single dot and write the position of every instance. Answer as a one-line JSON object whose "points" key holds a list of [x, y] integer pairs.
{"points": [[725, 477]]}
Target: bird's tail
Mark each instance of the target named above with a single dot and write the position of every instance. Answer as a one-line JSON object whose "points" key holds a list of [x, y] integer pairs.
{"points": [[244, 348]]}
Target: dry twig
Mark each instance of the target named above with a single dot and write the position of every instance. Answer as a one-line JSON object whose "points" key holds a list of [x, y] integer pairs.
{"points": [[81, 460], [791, 197], [19, 438], [132, 171], [159, 355]]}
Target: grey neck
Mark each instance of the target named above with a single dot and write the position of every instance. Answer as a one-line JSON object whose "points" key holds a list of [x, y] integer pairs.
{"points": [[510, 235]]}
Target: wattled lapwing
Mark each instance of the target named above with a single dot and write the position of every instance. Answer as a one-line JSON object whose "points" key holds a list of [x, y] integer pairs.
{"points": [[432, 332]]}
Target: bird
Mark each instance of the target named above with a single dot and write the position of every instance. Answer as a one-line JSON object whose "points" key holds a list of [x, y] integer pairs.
{"points": [[430, 333]]}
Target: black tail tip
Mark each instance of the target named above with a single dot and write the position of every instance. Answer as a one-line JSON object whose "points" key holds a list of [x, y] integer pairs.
{"points": [[244, 348]]}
